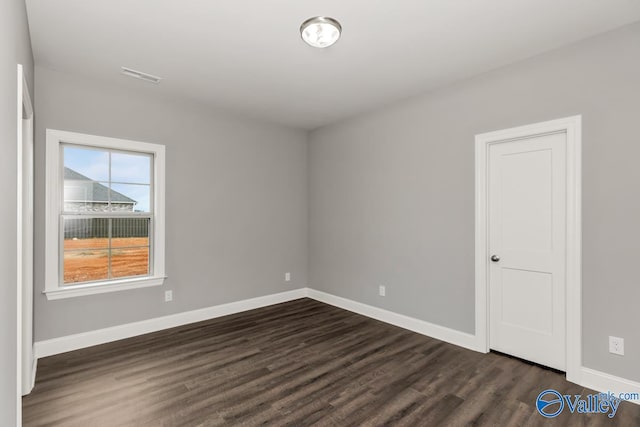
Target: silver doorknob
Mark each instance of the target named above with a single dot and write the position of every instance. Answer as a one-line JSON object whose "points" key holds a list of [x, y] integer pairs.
{"points": [[495, 258]]}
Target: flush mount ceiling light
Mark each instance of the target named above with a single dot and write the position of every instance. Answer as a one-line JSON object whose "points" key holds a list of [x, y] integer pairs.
{"points": [[320, 31]]}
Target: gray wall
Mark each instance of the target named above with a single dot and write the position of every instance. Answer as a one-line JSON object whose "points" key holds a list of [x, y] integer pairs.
{"points": [[388, 195], [392, 192], [15, 48], [236, 201]]}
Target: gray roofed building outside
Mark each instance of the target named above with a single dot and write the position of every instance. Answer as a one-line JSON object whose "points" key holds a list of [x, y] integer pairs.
{"points": [[84, 195], [99, 192]]}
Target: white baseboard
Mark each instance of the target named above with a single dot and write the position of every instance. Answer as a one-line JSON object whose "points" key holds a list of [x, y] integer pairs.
{"points": [[34, 369], [442, 333], [602, 382], [101, 336], [589, 378], [32, 380]]}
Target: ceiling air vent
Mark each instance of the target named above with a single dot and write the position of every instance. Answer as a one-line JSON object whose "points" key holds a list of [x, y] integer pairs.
{"points": [[140, 75]]}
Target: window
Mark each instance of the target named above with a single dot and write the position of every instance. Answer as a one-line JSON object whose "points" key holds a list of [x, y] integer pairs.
{"points": [[105, 214]]}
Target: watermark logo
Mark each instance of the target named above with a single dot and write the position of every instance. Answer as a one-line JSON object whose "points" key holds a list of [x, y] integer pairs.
{"points": [[550, 403]]}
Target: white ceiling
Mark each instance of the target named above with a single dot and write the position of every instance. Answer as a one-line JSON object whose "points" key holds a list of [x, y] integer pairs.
{"points": [[246, 56]]}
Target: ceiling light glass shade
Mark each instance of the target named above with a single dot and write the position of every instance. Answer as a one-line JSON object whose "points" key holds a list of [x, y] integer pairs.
{"points": [[320, 31]]}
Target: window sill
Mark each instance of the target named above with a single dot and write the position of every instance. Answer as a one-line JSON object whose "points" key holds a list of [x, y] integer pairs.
{"points": [[101, 288]]}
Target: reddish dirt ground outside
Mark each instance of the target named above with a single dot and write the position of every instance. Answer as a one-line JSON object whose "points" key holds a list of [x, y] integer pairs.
{"points": [[88, 259]]}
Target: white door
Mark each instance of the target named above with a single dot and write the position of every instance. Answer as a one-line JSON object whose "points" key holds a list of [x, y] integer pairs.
{"points": [[527, 245]]}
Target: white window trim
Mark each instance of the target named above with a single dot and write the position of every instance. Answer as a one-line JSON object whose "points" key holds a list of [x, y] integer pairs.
{"points": [[53, 288]]}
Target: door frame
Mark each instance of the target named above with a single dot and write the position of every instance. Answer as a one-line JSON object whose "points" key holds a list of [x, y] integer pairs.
{"points": [[25, 368], [572, 126]]}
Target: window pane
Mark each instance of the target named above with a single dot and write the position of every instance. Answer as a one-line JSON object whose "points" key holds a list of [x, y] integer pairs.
{"points": [[81, 195], [130, 232], [130, 262], [130, 198], [131, 168], [105, 248], [91, 164], [90, 233], [86, 179], [85, 265]]}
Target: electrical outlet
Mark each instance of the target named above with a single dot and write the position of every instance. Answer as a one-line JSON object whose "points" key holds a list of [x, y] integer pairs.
{"points": [[382, 291], [287, 277], [168, 296], [616, 345]]}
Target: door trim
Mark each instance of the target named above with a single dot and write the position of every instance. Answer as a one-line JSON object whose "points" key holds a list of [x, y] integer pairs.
{"points": [[572, 126], [25, 358]]}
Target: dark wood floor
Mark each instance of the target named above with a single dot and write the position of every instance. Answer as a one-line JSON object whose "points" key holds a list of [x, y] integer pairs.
{"points": [[298, 363]]}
